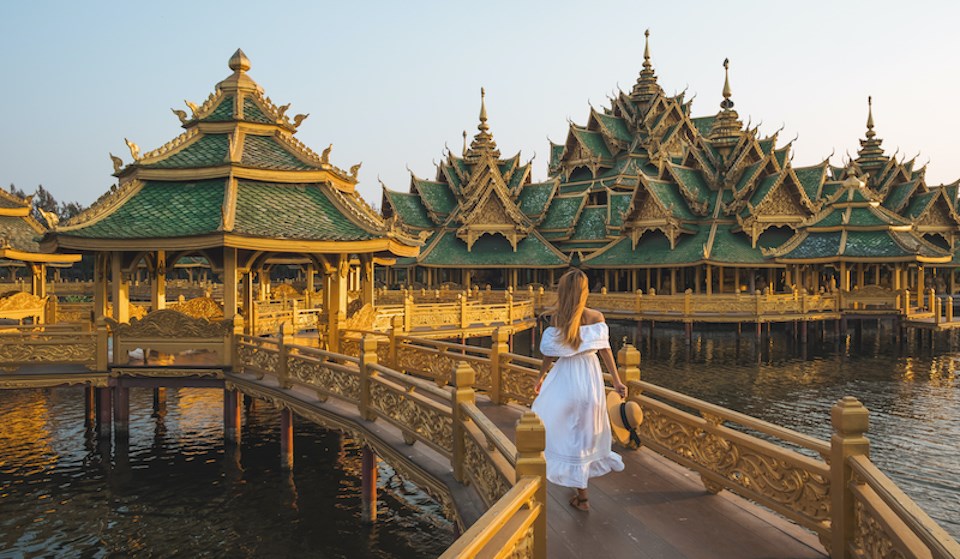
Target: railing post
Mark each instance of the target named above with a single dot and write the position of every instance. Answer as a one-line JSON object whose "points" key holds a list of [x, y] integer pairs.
{"points": [[102, 345], [638, 302], [530, 443], [931, 298], [407, 312], [498, 347], [368, 356], [282, 372], [850, 420], [906, 302], [687, 302], [509, 299], [628, 360], [396, 328], [463, 310], [949, 308], [465, 377], [937, 308]]}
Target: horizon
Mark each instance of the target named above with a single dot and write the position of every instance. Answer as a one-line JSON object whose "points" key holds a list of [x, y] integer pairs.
{"points": [[393, 97]]}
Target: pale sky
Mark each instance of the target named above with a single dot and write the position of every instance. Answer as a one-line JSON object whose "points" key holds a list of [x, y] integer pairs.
{"points": [[391, 83]]}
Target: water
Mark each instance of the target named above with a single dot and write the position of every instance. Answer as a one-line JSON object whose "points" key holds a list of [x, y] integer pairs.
{"points": [[912, 394], [176, 490]]}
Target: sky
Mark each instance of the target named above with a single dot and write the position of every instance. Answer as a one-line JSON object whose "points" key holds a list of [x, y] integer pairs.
{"points": [[392, 83]]}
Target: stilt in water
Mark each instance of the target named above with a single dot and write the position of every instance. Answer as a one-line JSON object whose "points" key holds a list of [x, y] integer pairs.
{"points": [[232, 417], [104, 412], [368, 485], [286, 438], [121, 412], [159, 401], [90, 406]]}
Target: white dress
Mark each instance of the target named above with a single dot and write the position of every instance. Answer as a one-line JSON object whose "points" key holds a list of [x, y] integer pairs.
{"points": [[572, 406]]}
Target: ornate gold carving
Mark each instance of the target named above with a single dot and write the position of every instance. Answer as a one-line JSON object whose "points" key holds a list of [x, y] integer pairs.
{"points": [[437, 367], [258, 360], [199, 307], [134, 149], [31, 349], [485, 476], [870, 539], [418, 418], [21, 301], [767, 475], [316, 375], [518, 384], [168, 323], [164, 372], [117, 162], [523, 548], [285, 291]]}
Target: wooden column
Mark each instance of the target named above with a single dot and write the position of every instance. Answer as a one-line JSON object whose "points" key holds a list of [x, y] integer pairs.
{"points": [[770, 272], [337, 301], [232, 418], [736, 280], [158, 282], [647, 286], [286, 438], [89, 405], [119, 289], [861, 275], [366, 279], [720, 279], [844, 277], [920, 286], [104, 412], [709, 279], [696, 280], [673, 281], [38, 282], [121, 411], [368, 485], [229, 283], [249, 305], [159, 400]]}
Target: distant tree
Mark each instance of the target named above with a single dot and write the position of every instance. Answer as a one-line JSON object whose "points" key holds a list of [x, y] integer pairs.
{"points": [[70, 209], [16, 191], [44, 200]]}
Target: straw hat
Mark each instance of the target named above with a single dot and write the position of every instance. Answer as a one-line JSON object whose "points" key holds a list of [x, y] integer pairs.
{"points": [[631, 409]]}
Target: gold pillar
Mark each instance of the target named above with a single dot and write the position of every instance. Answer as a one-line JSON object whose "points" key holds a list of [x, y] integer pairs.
{"points": [[770, 272], [38, 283], [100, 260], [920, 286], [366, 279], [720, 279], [844, 277], [861, 275], [897, 280], [673, 281], [119, 289], [158, 283], [311, 288], [249, 315], [337, 301], [696, 280], [709, 279], [230, 283], [736, 280]]}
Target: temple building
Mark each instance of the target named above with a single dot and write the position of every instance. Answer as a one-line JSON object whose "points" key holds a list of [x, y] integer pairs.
{"points": [[646, 196], [239, 190]]}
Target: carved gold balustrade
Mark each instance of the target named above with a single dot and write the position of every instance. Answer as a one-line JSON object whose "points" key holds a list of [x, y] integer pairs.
{"points": [[510, 479], [783, 470], [48, 344]]}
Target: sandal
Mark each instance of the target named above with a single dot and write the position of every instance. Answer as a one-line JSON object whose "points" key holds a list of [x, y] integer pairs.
{"points": [[580, 504]]}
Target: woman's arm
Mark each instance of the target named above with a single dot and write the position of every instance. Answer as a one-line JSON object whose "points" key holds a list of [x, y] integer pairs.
{"points": [[606, 354], [544, 367]]}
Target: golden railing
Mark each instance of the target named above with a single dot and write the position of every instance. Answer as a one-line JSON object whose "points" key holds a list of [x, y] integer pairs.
{"points": [[509, 478], [781, 469], [49, 344]]}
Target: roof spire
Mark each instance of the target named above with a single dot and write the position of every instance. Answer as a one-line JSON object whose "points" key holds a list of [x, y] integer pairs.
{"points": [[239, 79], [483, 141], [726, 103], [239, 62], [871, 156], [646, 87]]}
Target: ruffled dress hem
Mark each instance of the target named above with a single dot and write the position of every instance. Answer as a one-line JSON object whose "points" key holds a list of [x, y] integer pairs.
{"points": [[576, 474]]}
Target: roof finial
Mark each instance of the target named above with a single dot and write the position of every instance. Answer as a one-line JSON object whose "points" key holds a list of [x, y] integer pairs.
{"points": [[726, 103], [646, 49], [239, 62], [483, 112], [870, 132], [464, 142]]}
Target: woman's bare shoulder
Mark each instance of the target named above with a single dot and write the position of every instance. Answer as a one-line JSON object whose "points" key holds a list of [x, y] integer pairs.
{"points": [[591, 316]]}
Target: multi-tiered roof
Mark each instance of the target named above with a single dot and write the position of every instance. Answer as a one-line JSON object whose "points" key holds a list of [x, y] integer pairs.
{"points": [[236, 177]]}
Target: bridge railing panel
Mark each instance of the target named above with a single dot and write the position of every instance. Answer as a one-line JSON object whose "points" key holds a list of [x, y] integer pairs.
{"points": [[48, 344]]}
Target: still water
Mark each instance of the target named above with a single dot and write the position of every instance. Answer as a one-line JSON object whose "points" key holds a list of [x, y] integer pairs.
{"points": [[913, 394], [177, 491]]}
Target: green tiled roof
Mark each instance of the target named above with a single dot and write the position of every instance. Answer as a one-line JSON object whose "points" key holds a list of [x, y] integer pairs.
{"points": [[692, 180], [766, 145], [616, 126], [19, 233], [556, 150], [748, 175], [872, 217], [704, 124], [7, 201], [490, 251], [592, 141], [264, 152], [733, 248], [533, 198], [781, 156], [161, 209], [832, 218], [409, 208], [653, 249], [898, 195], [829, 190], [765, 186], [810, 179], [223, 111], [619, 203], [562, 212], [436, 196], [592, 224], [291, 211], [671, 199], [452, 179], [208, 151], [919, 203], [816, 245], [252, 112], [518, 176]]}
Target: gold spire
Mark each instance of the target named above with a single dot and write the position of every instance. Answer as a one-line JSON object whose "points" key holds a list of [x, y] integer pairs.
{"points": [[483, 141], [870, 132], [871, 157], [239, 63], [646, 87], [726, 129]]}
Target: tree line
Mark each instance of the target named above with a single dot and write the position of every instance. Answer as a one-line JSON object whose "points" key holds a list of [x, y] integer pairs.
{"points": [[44, 201]]}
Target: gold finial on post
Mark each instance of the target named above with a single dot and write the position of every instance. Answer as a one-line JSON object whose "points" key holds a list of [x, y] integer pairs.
{"points": [[870, 132], [239, 62], [483, 112], [646, 49]]}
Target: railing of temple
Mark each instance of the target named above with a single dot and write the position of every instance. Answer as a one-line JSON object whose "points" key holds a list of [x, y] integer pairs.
{"points": [[786, 471], [270, 315], [49, 344], [510, 479], [689, 305]]}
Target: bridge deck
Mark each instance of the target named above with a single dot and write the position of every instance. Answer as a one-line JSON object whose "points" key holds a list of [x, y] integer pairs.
{"points": [[655, 508]]}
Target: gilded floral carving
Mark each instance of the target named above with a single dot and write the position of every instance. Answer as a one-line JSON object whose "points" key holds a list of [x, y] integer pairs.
{"points": [[314, 374], [425, 421], [482, 472], [870, 539]]}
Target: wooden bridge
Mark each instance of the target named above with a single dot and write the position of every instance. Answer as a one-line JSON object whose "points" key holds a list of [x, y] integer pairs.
{"points": [[707, 482]]}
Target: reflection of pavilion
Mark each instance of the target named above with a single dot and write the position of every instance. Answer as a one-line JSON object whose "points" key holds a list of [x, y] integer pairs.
{"points": [[238, 189]]}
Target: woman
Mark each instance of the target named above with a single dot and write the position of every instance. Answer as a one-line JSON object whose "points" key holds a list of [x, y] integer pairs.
{"points": [[571, 401]]}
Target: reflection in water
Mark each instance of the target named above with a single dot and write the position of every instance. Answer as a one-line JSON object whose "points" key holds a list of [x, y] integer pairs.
{"points": [[174, 489], [912, 394]]}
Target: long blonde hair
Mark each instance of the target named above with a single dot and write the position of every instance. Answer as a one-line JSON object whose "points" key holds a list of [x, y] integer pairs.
{"points": [[571, 300]]}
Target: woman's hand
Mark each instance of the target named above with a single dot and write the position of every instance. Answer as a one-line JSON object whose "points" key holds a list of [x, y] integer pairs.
{"points": [[536, 389], [619, 387]]}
